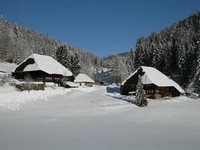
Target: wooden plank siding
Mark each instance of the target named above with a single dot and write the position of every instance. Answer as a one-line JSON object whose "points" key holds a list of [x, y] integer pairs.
{"points": [[40, 76], [152, 91]]}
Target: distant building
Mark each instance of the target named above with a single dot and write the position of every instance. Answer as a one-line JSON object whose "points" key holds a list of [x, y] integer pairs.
{"points": [[84, 80], [156, 84], [42, 68]]}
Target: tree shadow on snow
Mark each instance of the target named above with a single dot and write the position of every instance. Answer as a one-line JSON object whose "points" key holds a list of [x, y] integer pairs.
{"points": [[113, 89], [115, 93]]}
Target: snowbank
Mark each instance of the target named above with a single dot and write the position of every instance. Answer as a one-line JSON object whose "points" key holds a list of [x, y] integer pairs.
{"points": [[8, 67], [12, 99]]}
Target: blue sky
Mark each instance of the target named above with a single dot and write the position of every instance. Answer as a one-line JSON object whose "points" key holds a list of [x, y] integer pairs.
{"points": [[102, 27]]}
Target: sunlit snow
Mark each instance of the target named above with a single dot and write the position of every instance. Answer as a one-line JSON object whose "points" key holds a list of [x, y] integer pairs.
{"points": [[96, 118]]}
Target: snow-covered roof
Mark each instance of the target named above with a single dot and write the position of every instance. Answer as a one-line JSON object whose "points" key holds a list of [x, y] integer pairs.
{"points": [[83, 78], [154, 76], [46, 64], [72, 84]]}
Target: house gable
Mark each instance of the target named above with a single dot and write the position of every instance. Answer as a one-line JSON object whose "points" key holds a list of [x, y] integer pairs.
{"points": [[42, 68], [22, 67], [155, 83]]}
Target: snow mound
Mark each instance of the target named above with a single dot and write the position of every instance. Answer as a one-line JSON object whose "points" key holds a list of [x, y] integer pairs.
{"points": [[8, 67], [12, 99], [179, 99], [6, 89]]}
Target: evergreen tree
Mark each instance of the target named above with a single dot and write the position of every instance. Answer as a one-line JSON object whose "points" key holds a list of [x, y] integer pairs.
{"points": [[63, 56], [119, 70], [173, 51], [75, 66], [97, 69], [115, 77], [130, 62], [141, 101], [67, 59]]}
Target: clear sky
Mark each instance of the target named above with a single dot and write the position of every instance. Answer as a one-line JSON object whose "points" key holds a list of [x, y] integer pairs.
{"points": [[102, 27]]}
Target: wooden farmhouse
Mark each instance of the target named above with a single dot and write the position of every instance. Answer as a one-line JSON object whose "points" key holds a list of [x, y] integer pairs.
{"points": [[42, 68], [84, 80], [156, 84]]}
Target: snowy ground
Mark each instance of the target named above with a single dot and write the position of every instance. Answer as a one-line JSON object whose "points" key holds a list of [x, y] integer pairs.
{"points": [[93, 119], [8, 67]]}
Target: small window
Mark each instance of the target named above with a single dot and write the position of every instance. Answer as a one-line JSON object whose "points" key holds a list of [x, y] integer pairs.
{"points": [[39, 79], [48, 78], [157, 91]]}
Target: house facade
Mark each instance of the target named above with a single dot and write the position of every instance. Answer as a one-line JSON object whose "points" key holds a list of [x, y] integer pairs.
{"points": [[156, 84], [84, 80], [42, 68]]}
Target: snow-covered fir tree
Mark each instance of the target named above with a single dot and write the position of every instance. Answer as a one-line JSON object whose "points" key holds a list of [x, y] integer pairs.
{"points": [[140, 94], [173, 50], [119, 71], [75, 66], [63, 55], [130, 61], [68, 59], [97, 69]]}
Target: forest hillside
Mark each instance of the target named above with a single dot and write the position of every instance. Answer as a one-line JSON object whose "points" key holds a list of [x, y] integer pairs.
{"points": [[175, 51], [18, 42]]}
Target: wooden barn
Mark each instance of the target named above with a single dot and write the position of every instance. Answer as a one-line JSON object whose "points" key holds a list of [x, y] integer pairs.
{"points": [[42, 68], [84, 80], [156, 84]]}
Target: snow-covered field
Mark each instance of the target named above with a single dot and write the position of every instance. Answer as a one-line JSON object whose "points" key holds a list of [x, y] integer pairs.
{"points": [[11, 98], [95, 119]]}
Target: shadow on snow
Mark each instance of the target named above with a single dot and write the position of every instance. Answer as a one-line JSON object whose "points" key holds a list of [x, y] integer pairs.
{"points": [[115, 93]]}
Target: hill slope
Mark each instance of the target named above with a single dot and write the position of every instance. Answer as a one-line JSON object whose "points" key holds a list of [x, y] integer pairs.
{"points": [[18, 42], [174, 51]]}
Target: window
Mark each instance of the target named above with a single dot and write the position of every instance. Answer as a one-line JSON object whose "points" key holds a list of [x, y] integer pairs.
{"points": [[39, 79], [48, 78], [157, 91]]}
